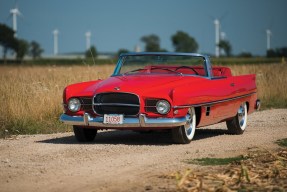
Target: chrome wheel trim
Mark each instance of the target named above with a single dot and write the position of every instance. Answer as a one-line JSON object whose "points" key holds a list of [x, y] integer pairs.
{"points": [[189, 127], [242, 115]]}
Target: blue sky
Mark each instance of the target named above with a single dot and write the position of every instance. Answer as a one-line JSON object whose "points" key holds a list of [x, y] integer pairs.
{"points": [[116, 24]]}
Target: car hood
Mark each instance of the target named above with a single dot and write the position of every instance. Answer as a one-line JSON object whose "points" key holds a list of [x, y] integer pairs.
{"points": [[141, 85]]}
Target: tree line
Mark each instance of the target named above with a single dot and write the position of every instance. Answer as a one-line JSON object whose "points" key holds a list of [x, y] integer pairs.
{"points": [[278, 52], [20, 46], [181, 41]]}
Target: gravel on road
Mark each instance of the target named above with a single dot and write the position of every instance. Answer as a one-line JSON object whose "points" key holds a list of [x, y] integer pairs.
{"points": [[124, 160]]}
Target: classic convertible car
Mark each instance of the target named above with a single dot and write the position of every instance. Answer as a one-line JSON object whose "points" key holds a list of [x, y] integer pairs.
{"points": [[161, 91]]}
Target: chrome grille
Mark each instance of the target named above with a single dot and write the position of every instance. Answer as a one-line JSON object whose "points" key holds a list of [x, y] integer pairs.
{"points": [[150, 105], [86, 103], [116, 103]]}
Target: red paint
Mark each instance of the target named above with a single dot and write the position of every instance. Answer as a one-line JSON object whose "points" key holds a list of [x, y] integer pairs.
{"points": [[179, 91]]}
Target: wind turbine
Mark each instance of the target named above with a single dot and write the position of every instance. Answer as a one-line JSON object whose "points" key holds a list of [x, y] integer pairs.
{"points": [[217, 36], [137, 48], [15, 12], [269, 34], [55, 33], [88, 40], [222, 35], [222, 38]]}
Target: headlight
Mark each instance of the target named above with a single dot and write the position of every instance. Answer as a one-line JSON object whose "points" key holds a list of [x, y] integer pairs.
{"points": [[74, 104], [163, 107]]}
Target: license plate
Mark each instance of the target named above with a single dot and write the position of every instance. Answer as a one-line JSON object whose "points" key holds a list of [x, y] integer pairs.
{"points": [[113, 119]]}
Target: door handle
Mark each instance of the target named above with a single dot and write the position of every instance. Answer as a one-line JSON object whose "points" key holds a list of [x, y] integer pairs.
{"points": [[232, 84]]}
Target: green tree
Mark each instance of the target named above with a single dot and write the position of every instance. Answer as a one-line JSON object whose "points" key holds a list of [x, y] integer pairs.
{"points": [[7, 40], [163, 50], [278, 52], [91, 53], [152, 43], [226, 46], [182, 42], [245, 54], [22, 49], [35, 50], [120, 51]]}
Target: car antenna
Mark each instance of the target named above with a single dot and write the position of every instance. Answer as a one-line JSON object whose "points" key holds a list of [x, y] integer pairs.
{"points": [[95, 63], [92, 56]]}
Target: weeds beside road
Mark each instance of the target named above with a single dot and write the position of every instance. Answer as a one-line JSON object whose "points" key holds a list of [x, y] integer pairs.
{"points": [[257, 170]]}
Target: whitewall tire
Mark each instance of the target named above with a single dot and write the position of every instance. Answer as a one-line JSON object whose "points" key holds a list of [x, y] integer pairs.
{"points": [[185, 133], [238, 123]]}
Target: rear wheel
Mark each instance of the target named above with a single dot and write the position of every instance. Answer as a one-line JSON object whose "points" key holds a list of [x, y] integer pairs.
{"points": [[238, 123], [84, 134], [184, 134]]}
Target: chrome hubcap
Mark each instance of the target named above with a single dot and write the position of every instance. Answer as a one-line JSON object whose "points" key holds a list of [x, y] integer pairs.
{"points": [[188, 126], [241, 115]]}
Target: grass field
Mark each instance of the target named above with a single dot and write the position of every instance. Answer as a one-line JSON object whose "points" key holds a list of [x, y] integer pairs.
{"points": [[271, 82], [31, 97]]}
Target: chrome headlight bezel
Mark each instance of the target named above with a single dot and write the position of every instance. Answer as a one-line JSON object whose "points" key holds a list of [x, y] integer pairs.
{"points": [[74, 104], [163, 107]]}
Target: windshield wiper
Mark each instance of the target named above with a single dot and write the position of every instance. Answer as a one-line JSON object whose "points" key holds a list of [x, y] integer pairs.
{"points": [[135, 70], [187, 67], [167, 69]]}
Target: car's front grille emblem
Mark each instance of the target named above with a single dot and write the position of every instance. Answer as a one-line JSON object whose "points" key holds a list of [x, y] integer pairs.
{"points": [[117, 88]]}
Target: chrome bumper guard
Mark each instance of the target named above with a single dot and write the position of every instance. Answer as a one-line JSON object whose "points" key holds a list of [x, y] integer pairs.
{"points": [[141, 121]]}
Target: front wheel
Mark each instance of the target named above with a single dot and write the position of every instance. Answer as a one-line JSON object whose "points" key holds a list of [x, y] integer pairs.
{"points": [[184, 134], [238, 123], [84, 134]]}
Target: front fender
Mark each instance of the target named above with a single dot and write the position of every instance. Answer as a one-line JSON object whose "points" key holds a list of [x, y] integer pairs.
{"points": [[79, 89]]}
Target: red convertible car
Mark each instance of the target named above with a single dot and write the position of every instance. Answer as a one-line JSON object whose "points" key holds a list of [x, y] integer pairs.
{"points": [[154, 91]]}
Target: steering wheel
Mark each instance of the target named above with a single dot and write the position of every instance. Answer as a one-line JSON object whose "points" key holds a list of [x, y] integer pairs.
{"points": [[186, 67]]}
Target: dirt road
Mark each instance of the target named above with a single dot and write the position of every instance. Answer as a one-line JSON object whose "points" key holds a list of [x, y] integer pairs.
{"points": [[123, 160]]}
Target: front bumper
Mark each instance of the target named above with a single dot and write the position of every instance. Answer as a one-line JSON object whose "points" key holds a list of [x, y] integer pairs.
{"points": [[141, 121]]}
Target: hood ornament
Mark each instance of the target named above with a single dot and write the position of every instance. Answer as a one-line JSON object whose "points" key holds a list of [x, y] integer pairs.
{"points": [[117, 88]]}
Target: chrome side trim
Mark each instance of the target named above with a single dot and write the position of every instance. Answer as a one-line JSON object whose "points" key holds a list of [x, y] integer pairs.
{"points": [[141, 121], [213, 102]]}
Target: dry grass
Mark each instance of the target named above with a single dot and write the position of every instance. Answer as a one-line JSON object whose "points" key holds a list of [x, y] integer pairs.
{"points": [[261, 170], [271, 82], [31, 97]]}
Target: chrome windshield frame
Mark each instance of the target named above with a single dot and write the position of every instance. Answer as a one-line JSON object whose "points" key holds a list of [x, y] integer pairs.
{"points": [[206, 59]]}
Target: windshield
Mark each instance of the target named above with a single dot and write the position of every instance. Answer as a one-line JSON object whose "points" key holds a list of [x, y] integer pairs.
{"points": [[162, 64]]}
